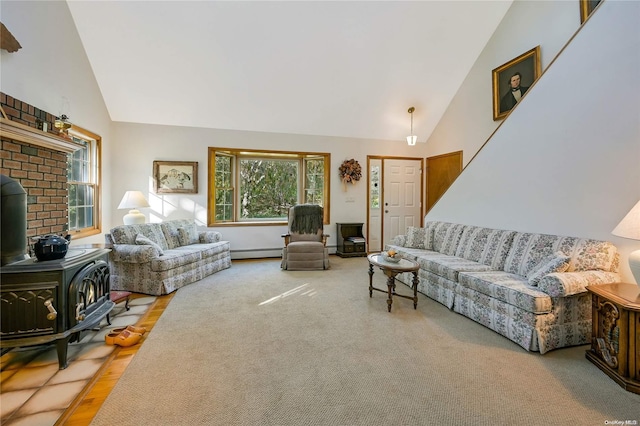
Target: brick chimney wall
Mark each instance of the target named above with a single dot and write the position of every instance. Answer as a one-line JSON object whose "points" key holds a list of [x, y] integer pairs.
{"points": [[42, 172]]}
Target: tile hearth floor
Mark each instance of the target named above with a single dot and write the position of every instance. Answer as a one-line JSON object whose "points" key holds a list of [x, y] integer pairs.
{"points": [[34, 392]]}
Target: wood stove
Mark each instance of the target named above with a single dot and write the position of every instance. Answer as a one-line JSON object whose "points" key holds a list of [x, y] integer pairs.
{"points": [[53, 301]]}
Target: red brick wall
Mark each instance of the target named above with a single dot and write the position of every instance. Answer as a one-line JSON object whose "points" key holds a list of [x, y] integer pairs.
{"points": [[42, 172]]}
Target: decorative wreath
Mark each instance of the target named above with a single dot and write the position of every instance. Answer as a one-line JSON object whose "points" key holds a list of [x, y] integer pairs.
{"points": [[350, 171]]}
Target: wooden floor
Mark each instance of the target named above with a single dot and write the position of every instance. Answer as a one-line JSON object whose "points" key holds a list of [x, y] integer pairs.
{"points": [[84, 408]]}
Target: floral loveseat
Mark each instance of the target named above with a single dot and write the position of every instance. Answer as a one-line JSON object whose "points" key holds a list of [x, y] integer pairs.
{"points": [[159, 258], [531, 288]]}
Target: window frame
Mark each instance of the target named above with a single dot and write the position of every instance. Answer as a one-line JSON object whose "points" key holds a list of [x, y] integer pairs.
{"points": [[96, 171], [236, 155]]}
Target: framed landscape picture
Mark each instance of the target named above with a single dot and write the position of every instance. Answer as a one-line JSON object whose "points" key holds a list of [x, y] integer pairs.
{"points": [[179, 177], [586, 7], [512, 80]]}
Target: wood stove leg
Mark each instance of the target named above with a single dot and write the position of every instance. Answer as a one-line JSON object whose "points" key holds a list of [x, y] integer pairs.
{"points": [[61, 346]]}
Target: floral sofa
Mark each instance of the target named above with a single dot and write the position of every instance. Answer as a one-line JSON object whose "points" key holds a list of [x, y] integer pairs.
{"points": [[159, 258], [530, 288]]}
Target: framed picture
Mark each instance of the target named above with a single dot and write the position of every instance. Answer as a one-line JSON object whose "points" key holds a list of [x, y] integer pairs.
{"points": [[179, 177], [586, 7], [512, 80]]}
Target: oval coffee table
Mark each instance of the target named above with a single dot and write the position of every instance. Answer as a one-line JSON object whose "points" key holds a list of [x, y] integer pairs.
{"points": [[391, 269]]}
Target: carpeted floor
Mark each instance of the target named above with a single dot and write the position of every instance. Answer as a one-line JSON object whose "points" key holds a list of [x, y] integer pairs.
{"points": [[254, 345]]}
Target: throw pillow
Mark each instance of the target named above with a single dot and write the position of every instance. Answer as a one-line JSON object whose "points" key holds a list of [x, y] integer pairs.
{"points": [[209, 237], [188, 235], [415, 237], [556, 262], [141, 240]]}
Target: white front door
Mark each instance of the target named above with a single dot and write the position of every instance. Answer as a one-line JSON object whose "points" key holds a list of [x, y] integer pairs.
{"points": [[401, 197]]}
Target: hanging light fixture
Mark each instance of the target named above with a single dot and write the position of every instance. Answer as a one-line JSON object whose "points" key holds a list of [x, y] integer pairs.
{"points": [[411, 139]]}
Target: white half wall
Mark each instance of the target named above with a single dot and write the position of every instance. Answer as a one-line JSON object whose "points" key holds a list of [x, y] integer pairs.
{"points": [[566, 160]]}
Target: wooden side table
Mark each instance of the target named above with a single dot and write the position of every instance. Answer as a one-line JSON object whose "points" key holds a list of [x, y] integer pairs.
{"points": [[351, 241], [391, 270], [615, 340]]}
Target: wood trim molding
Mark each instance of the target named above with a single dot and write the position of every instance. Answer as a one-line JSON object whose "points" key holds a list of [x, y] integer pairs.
{"points": [[23, 133]]}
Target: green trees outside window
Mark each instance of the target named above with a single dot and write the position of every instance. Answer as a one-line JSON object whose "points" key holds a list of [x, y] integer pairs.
{"points": [[252, 186]]}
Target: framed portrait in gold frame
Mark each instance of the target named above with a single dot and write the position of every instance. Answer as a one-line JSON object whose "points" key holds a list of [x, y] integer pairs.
{"points": [[586, 7], [512, 80], [175, 177]]}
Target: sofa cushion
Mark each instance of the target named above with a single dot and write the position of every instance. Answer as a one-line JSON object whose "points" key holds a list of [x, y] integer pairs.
{"points": [[175, 258], [188, 235], [306, 247], [398, 240], [141, 240], [449, 266], [510, 288], [485, 245], [416, 238], [170, 230], [446, 237], [556, 262], [213, 249], [126, 234], [208, 237], [590, 255], [527, 250]]}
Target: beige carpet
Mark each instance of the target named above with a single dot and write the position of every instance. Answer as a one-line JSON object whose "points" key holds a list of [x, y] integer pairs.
{"points": [[254, 345]]}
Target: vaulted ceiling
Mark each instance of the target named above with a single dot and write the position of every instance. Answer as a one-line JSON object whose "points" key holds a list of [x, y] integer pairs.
{"points": [[334, 68]]}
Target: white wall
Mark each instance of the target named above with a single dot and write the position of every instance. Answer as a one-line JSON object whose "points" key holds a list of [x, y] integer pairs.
{"points": [[139, 145], [566, 160], [468, 121], [51, 66]]}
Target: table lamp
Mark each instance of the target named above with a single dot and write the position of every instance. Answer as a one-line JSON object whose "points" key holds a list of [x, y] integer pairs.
{"points": [[629, 227], [133, 200]]}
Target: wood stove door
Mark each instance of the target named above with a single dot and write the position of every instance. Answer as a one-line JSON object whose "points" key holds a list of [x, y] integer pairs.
{"points": [[29, 305]]}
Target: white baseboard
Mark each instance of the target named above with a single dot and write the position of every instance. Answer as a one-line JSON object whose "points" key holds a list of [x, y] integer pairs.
{"points": [[264, 253]]}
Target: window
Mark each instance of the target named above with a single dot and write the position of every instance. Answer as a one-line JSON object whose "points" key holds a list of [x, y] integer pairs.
{"points": [[83, 179], [259, 186], [374, 193]]}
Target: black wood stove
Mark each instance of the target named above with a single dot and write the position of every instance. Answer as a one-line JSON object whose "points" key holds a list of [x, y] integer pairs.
{"points": [[55, 300]]}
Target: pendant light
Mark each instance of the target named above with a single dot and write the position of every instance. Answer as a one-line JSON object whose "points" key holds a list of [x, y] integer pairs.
{"points": [[411, 139]]}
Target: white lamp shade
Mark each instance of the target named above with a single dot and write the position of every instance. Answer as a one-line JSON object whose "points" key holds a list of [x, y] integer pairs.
{"points": [[629, 227], [133, 200], [411, 140]]}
